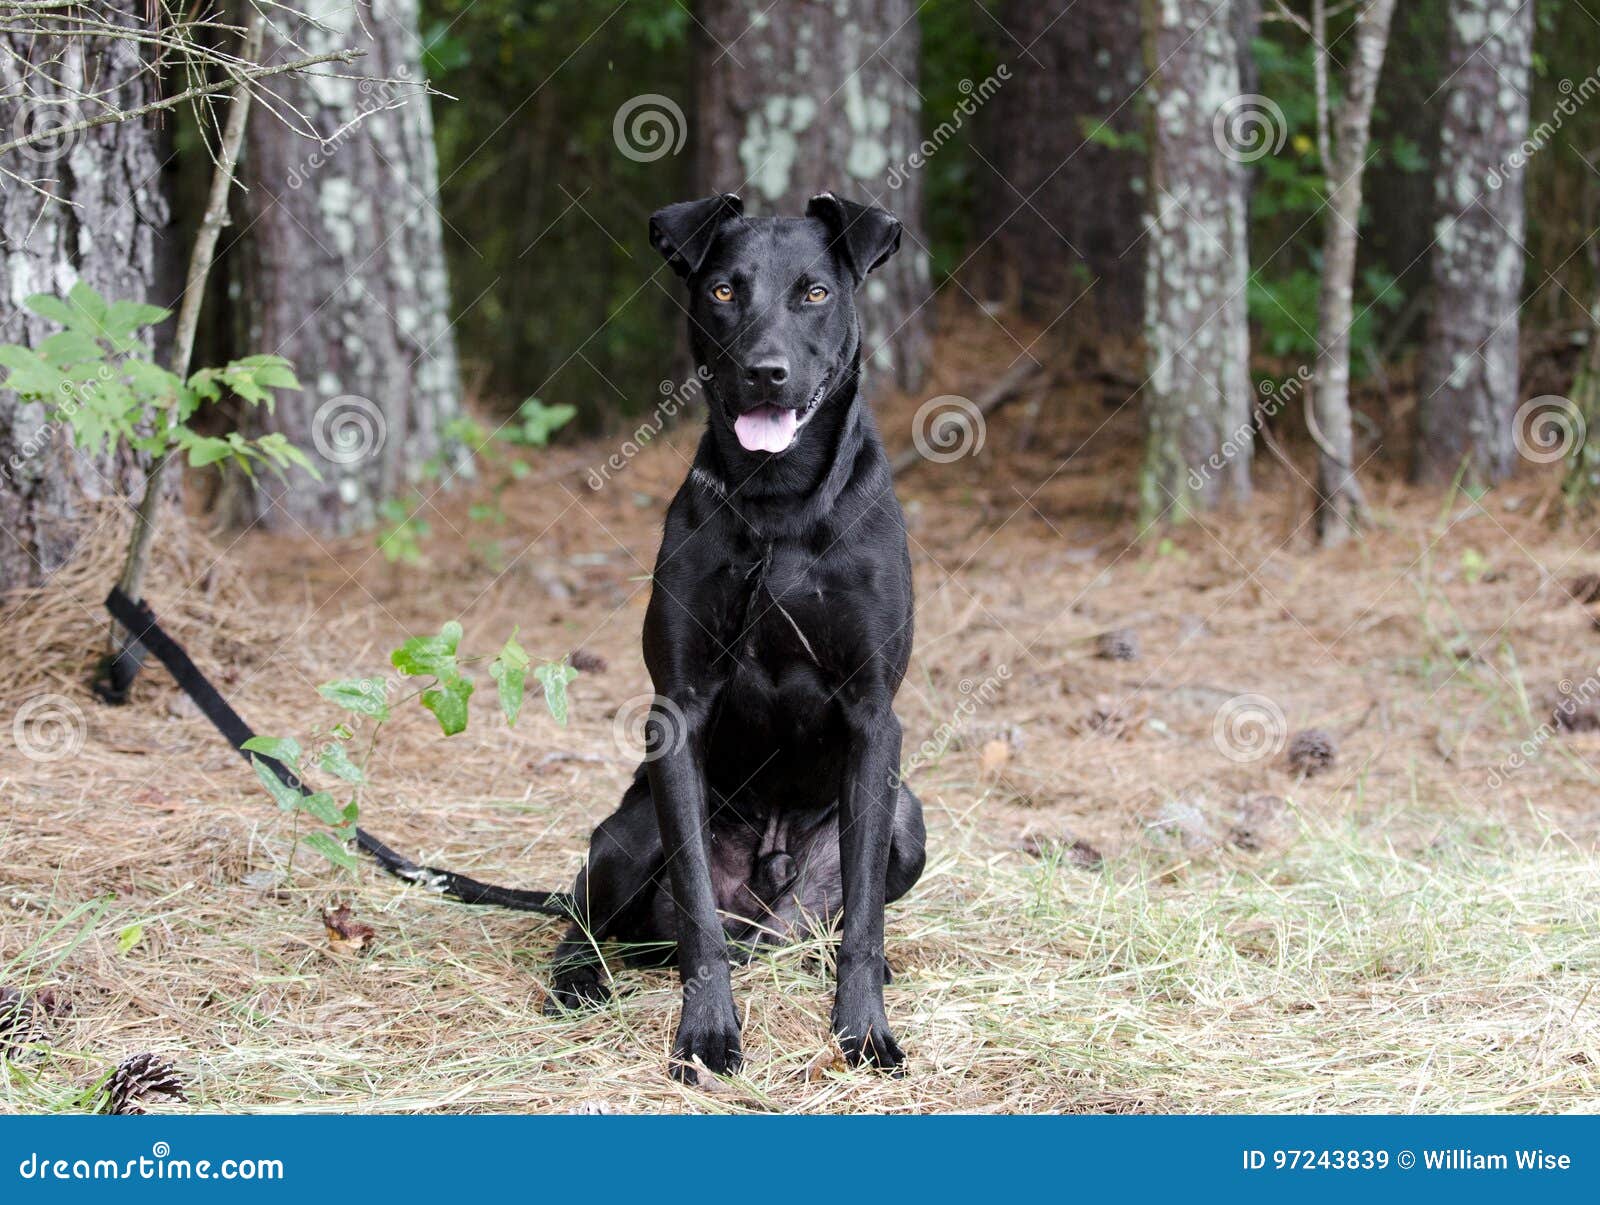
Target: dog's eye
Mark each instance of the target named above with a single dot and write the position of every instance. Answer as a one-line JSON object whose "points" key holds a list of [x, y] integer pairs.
{"points": [[816, 293], [722, 292]]}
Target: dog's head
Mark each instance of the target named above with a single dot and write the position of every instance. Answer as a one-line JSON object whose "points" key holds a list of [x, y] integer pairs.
{"points": [[772, 317]]}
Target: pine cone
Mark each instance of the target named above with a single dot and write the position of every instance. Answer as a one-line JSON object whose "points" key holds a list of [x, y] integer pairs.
{"points": [[586, 662], [1119, 644], [19, 1020], [139, 1080], [1312, 751]]}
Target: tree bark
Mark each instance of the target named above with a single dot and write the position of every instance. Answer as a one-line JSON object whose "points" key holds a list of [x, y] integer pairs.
{"points": [[805, 97], [1198, 397], [1467, 387], [94, 209], [1064, 208], [342, 266], [1340, 504]]}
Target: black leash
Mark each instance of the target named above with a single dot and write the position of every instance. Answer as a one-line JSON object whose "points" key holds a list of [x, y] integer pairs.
{"points": [[146, 634]]}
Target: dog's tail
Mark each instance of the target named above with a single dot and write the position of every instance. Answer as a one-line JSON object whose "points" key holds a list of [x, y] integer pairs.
{"points": [[146, 634]]}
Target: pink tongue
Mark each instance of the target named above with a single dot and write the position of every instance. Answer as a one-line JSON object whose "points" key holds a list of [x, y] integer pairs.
{"points": [[766, 429]]}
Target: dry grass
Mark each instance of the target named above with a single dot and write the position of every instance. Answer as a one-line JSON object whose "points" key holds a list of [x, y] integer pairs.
{"points": [[1395, 933]]}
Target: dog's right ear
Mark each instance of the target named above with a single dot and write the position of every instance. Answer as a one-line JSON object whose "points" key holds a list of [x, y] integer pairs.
{"points": [[684, 232]]}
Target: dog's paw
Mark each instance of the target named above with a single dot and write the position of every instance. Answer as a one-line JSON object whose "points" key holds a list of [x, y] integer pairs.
{"points": [[713, 1041], [869, 1043], [577, 991]]}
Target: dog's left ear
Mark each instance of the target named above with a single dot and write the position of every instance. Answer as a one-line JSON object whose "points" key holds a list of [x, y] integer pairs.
{"points": [[684, 232], [864, 235]]}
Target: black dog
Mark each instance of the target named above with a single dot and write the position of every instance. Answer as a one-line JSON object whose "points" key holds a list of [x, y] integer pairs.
{"points": [[777, 634]]}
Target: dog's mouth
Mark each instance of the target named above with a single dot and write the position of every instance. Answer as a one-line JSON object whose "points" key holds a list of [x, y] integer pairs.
{"points": [[773, 428]]}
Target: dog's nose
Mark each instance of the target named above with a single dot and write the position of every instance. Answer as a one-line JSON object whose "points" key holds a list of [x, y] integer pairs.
{"points": [[766, 372]]}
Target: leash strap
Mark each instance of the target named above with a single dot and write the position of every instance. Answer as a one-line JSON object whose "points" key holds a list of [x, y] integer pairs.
{"points": [[145, 632]]}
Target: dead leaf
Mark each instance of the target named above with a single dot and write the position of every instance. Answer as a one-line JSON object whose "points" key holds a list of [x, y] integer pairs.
{"points": [[346, 935], [828, 1059]]}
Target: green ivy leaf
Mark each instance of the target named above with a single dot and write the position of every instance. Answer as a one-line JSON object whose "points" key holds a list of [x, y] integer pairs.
{"points": [[286, 796], [337, 762], [448, 702], [555, 675], [323, 806], [332, 849], [283, 748], [364, 696], [510, 671], [434, 656]]}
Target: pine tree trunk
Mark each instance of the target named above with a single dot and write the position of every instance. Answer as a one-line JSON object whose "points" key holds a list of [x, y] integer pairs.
{"points": [[343, 266], [805, 97], [1340, 505], [1198, 397], [104, 221], [1467, 389], [1064, 208]]}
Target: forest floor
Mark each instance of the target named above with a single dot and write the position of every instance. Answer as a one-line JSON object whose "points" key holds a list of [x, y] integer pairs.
{"points": [[1124, 909]]}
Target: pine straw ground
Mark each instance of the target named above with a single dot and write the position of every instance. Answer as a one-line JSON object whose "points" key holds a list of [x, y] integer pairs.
{"points": [[1115, 915]]}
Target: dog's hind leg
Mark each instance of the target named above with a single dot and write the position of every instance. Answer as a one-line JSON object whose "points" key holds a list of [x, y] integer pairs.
{"points": [[908, 846], [615, 894]]}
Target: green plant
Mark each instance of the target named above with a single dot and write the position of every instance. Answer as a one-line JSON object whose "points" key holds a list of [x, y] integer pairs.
{"points": [[446, 691], [96, 377]]}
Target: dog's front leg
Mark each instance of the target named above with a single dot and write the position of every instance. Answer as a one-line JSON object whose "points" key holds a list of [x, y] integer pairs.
{"points": [[709, 1026], [869, 793]]}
